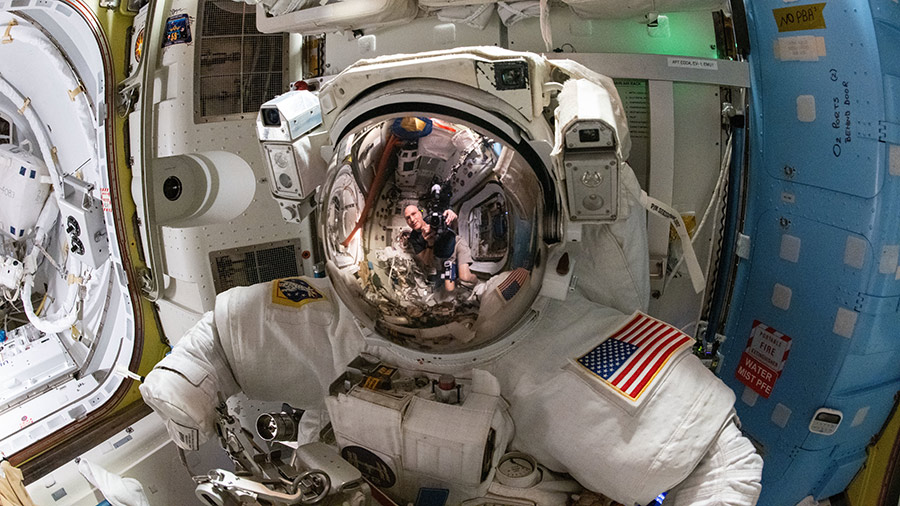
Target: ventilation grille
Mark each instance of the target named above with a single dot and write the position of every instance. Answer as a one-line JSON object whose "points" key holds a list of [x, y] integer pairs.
{"points": [[240, 68], [255, 264]]}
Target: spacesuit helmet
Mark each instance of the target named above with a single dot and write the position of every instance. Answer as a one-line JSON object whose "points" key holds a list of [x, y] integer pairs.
{"points": [[431, 225]]}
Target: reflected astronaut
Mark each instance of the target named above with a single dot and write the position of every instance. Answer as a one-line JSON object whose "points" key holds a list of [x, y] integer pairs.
{"points": [[432, 245], [501, 394]]}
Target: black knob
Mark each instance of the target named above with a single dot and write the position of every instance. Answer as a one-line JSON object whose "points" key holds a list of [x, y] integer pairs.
{"points": [[72, 226]]}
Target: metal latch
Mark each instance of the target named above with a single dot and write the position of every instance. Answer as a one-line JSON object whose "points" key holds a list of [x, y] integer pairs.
{"points": [[889, 132], [742, 246]]}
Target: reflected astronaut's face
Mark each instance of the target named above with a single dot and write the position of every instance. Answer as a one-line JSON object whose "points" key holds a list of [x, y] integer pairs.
{"points": [[414, 217], [483, 268]]}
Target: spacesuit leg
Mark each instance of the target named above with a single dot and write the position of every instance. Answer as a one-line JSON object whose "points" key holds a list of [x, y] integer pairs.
{"points": [[186, 386], [729, 474]]}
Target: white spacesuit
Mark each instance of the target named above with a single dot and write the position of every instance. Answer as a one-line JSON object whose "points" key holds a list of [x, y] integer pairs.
{"points": [[580, 381]]}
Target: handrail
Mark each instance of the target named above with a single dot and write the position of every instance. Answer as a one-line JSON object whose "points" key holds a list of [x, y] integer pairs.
{"points": [[153, 37]]}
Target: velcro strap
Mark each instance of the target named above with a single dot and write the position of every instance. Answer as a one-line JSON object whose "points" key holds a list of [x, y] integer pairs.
{"points": [[668, 212]]}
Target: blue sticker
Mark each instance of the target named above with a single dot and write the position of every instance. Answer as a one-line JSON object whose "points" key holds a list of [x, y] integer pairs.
{"points": [[178, 30]]}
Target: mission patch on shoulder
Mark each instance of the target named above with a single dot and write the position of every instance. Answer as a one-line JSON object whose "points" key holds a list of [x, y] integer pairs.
{"points": [[294, 292]]}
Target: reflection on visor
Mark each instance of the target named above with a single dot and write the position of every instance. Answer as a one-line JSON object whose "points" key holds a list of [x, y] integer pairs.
{"points": [[431, 232]]}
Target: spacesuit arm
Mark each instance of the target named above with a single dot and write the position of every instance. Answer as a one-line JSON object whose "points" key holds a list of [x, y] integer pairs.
{"points": [[186, 386], [729, 474]]}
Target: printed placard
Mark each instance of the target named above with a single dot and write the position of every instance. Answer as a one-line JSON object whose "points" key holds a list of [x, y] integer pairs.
{"points": [[768, 346], [106, 199], [763, 360], [799, 48], [800, 17], [188, 437], [693, 63], [755, 375]]}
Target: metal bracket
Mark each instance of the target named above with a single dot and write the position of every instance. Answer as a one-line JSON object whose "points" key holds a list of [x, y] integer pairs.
{"points": [[7, 38], [657, 267], [742, 246], [309, 488], [77, 91], [889, 132], [157, 12]]}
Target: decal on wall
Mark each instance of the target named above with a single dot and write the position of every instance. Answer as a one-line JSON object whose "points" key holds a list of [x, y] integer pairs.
{"points": [[139, 46], [763, 359], [106, 198], [800, 17], [178, 30]]}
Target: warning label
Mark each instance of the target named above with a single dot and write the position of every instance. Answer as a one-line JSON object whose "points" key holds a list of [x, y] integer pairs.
{"points": [[758, 377], [763, 360], [188, 437], [769, 346], [106, 199]]}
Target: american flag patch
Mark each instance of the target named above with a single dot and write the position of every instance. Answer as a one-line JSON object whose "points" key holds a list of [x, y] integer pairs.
{"points": [[514, 281], [633, 355]]}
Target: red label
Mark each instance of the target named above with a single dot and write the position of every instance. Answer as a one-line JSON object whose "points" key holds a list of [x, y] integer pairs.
{"points": [[755, 375], [768, 345], [763, 359], [105, 198]]}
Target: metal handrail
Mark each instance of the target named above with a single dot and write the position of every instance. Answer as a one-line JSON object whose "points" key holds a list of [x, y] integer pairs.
{"points": [[152, 281]]}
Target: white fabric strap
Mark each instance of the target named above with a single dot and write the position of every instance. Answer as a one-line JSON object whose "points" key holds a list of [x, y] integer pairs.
{"points": [[668, 212], [513, 12], [545, 25]]}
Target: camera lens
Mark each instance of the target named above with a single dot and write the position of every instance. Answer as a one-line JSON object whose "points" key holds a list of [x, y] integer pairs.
{"points": [[511, 75], [172, 188], [270, 117], [589, 135]]}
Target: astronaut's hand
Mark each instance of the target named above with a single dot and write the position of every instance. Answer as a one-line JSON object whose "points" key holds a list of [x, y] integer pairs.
{"points": [[588, 498], [429, 235], [449, 217]]}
